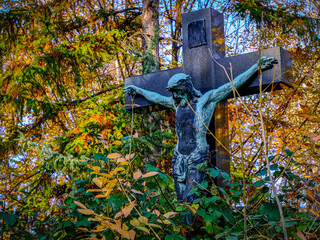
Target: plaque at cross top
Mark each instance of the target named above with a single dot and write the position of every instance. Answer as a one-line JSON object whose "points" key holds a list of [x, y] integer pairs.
{"points": [[199, 88]]}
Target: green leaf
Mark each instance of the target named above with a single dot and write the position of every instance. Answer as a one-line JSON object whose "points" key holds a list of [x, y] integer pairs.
{"points": [[98, 156], [201, 166], [232, 238], [263, 172], [271, 157], [214, 172], [288, 152], [258, 183], [302, 228], [9, 218], [289, 224], [226, 176], [208, 218], [267, 179], [274, 167]]}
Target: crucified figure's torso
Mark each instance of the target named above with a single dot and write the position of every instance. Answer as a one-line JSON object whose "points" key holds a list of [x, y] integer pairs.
{"points": [[193, 115]]}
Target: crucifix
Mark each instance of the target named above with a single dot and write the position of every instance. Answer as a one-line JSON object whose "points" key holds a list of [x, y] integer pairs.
{"points": [[201, 87]]}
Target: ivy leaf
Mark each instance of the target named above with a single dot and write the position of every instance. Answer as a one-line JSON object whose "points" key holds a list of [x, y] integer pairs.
{"points": [[214, 172], [226, 176]]}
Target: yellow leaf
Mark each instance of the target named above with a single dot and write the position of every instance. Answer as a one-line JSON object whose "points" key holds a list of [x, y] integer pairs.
{"points": [[164, 221], [100, 196], [137, 175], [143, 219], [310, 196], [127, 210], [136, 191], [132, 234], [95, 168], [120, 160], [125, 163], [107, 193], [97, 182], [149, 174], [135, 222], [119, 214], [80, 204], [85, 211], [117, 142], [94, 190], [315, 213], [124, 226], [118, 169], [114, 155], [154, 225], [156, 212], [84, 229], [144, 229], [169, 214], [129, 156]]}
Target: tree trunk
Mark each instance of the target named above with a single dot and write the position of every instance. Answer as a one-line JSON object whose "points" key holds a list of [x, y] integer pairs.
{"points": [[150, 40], [177, 34]]}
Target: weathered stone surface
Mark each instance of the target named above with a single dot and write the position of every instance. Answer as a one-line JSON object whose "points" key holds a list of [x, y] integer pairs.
{"points": [[281, 73], [155, 82], [197, 61]]}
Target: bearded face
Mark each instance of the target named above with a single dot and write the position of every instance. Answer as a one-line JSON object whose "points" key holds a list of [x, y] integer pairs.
{"points": [[180, 95]]}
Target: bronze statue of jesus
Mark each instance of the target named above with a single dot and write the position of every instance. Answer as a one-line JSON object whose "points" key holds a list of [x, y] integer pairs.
{"points": [[193, 110]]}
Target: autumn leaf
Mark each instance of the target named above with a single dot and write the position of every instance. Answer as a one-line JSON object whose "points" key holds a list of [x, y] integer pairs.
{"points": [[97, 182], [136, 191], [118, 214], [85, 211], [129, 157], [149, 174], [143, 229], [114, 155], [121, 160], [95, 168], [127, 210], [191, 208], [301, 235], [137, 175], [156, 212], [80, 204], [135, 222], [314, 137], [169, 214]]}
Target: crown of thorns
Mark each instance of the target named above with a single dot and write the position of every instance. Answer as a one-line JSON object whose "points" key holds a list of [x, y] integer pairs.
{"points": [[177, 80]]}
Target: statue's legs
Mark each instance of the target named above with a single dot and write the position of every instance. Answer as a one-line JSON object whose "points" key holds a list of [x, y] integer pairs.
{"points": [[194, 176], [186, 173], [179, 172]]}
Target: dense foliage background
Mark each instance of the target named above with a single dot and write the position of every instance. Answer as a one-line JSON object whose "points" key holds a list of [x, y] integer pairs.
{"points": [[74, 163]]}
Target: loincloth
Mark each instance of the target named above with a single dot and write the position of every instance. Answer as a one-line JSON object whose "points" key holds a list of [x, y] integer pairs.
{"points": [[184, 164]]}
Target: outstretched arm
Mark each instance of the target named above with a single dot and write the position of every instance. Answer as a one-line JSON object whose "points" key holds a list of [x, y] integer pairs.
{"points": [[151, 96], [222, 92]]}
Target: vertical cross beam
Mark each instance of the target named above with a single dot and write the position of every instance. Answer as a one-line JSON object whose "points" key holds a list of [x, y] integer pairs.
{"points": [[203, 38]]}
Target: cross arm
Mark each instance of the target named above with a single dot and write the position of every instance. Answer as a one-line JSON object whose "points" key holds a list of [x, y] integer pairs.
{"points": [[153, 82], [150, 96], [224, 91]]}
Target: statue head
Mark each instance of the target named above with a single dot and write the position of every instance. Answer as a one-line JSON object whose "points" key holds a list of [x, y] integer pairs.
{"points": [[182, 89]]}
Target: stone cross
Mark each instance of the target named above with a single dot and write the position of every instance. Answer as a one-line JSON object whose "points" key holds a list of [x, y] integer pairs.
{"points": [[203, 38]]}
